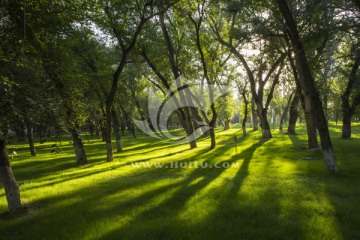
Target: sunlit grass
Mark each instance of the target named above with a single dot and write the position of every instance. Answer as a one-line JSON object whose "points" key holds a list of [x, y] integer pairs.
{"points": [[277, 190]]}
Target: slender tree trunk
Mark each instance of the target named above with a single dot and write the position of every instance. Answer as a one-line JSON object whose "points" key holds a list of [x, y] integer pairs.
{"points": [[31, 139], [132, 130], [81, 158], [226, 124], [243, 124], [97, 131], [309, 87], [186, 118], [108, 130], [212, 126], [282, 119], [293, 112], [254, 115], [117, 131], [12, 191]]}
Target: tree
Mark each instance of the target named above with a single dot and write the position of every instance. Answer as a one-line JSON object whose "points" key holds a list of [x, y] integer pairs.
{"points": [[244, 94], [260, 69], [126, 33], [7, 177], [349, 108], [46, 41], [308, 85]]}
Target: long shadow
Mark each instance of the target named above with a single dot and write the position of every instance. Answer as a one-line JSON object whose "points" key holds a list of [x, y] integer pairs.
{"points": [[243, 172], [188, 190], [88, 196], [240, 216], [69, 177]]}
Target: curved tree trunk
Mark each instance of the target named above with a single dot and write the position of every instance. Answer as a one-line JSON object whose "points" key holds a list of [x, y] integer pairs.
{"points": [[81, 158], [265, 126], [308, 85], [7, 177], [306, 106]]}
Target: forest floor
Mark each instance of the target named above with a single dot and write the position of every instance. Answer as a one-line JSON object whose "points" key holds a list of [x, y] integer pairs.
{"points": [[273, 189]]}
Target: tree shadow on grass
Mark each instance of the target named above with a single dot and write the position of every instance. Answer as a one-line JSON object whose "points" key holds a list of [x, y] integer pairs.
{"points": [[89, 195], [82, 203], [254, 213], [171, 208]]}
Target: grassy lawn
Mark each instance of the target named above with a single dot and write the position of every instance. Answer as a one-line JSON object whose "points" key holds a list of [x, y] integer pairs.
{"points": [[274, 189]]}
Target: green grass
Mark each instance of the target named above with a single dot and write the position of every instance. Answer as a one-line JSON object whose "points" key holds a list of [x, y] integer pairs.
{"points": [[275, 192]]}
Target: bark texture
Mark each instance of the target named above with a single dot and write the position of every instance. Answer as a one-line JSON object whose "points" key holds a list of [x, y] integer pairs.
{"points": [[12, 191], [81, 158]]}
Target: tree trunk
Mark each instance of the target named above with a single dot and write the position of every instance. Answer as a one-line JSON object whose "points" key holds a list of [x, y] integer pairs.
{"points": [[347, 109], [212, 124], [117, 131], [108, 129], [81, 158], [132, 130], [8, 179], [185, 111], [346, 128], [243, 123], [227, 124], [293, 112], [265, 126], [283, 115], [31, 139], [97, 132], [306, 106], [212, 137], [309, 87], [254, 115], [310, 125]]}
